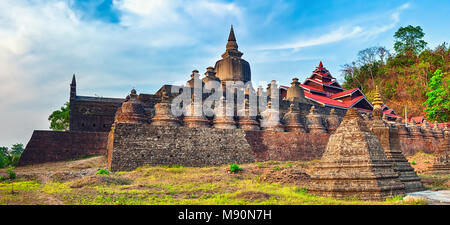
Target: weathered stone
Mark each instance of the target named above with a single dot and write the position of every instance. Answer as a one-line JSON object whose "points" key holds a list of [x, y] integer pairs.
{"points": [[426, 130], [271, 119], [210, 76], [295, 93], [314, 122], [389, 139], [232, 67], [195, 80], [354, 165], [247, 122], [136, 145], [195, 116], [53, 146], [333, 121], [293, 121], [221, 120], [437, 132], [441, 164], [414, 130], [402, 130], [131, 111], [163, 115]]}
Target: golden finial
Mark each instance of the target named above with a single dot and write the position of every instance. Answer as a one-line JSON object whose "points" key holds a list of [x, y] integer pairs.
{"points": [[377, 102]]}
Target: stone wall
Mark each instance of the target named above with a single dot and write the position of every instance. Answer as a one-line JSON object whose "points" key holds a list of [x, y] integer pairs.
{"points": [[93, 114], [286, 146], [412, 145], [51, 146], [134, 145]]}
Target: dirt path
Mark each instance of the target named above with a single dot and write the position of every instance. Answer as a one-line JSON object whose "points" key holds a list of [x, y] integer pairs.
{"points": [[60, 171]]}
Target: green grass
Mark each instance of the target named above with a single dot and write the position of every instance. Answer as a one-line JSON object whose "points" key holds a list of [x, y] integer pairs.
{"points": [[173, 185]]}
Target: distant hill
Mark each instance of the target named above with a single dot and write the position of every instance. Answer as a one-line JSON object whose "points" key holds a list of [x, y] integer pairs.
{"points": [[403, 79]]}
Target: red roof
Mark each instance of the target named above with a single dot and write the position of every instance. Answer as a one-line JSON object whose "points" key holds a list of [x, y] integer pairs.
{"points": [[304, 86], [340, 94], [418, 119], [331, 102]]}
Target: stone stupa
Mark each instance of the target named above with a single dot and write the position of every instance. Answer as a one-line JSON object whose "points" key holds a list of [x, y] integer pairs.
{"points": [[131, 111], [292, 119], [441, 163], [314, 122], [354, 165], [163, 114], [389, 139]]}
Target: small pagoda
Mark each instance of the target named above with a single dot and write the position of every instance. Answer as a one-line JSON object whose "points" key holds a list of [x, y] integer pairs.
{"points": [[354, 165]]}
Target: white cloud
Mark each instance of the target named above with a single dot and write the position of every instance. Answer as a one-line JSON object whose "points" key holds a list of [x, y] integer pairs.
{"points": [[44, 42], [368, 29]]}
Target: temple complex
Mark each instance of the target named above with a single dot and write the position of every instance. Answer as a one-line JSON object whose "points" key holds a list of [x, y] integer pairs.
{"points": [[362, 156]]}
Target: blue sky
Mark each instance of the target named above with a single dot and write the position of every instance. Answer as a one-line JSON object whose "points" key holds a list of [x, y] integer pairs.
{"points": [[116, 45]]}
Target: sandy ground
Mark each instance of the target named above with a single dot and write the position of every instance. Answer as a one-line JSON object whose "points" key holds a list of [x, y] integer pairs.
{"points": [[61, 171]]}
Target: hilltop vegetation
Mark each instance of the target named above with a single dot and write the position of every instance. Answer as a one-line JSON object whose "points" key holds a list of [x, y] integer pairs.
{"points": [[406, 76]]}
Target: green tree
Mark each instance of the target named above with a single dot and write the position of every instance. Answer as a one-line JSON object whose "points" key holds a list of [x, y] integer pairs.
{"points": [[17, 149], [438, 102], [4, 150], [59, 119], [4, 157], [409, 40]]}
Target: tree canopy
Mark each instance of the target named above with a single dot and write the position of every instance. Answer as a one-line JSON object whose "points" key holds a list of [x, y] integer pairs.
{"points": [[404, 77], [438, 102], [408, 40], [59, 119]]}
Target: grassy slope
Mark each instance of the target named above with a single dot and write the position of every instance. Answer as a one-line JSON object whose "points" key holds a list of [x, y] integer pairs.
{"points": [[75, 182]]}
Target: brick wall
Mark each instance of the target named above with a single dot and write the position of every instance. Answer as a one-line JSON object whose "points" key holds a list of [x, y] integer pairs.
{"points": [[134, 145], [282, 146], [412, 145], [51, 146]]}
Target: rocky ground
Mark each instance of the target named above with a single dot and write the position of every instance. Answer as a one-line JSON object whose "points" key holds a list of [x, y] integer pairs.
{"points": [[76, 182]]}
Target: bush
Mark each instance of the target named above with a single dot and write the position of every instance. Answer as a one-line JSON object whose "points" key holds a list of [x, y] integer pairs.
{"points": [[11, 174], [2, 178], [103, 172], [234, 168]]}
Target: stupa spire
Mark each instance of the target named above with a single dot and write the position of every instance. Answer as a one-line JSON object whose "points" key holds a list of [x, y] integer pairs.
{"points": [[377, 102], [232, 46], [231, 36]]}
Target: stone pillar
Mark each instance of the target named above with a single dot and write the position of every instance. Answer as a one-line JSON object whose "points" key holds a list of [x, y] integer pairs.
{"points": [[248, 122], [354, 165], [426, 130], [293, 120], [195, 117], [221, 120], [131, 111], [314, 122], [441, 162], [388, 136], [437, 132], [271, 119], [402, 130], [163, 114], [415, 130], [333, 121]]}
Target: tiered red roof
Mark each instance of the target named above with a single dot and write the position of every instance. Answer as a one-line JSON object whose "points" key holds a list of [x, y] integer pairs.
{"points": [[324, 89]]}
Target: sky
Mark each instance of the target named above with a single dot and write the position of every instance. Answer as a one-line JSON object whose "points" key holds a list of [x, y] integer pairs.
{"points": [[115, 45]]}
